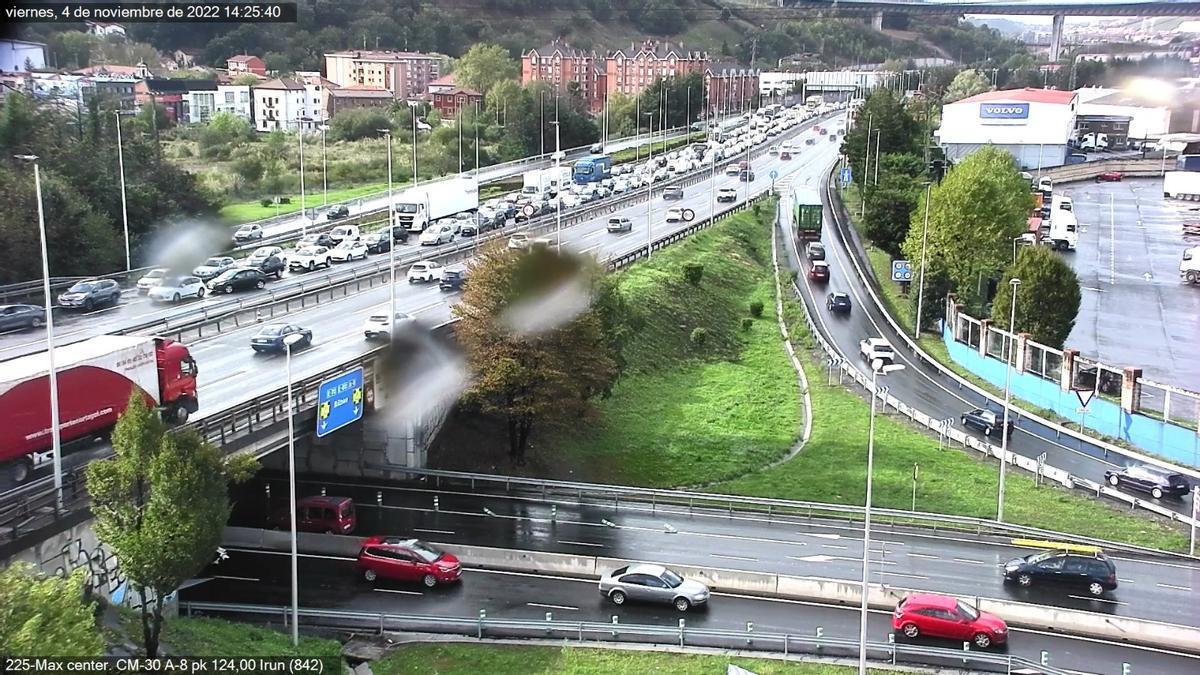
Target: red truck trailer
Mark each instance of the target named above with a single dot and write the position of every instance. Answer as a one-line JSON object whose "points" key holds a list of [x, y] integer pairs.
{"points": [[95, 380]]}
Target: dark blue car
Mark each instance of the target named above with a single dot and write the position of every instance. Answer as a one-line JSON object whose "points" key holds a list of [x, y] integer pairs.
{"points": [[270, 338]]}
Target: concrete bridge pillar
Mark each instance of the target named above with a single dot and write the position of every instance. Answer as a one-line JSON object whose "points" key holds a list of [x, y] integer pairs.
{"points": [[1056, 35], [877, 20]]}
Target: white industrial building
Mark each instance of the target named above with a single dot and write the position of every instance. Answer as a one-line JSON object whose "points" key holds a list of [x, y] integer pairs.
{"points": [[21, 56], [1146, 120], [1033, 125]]}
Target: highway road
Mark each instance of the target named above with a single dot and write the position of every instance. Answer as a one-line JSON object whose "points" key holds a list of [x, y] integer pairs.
{"points": [[944, 562], [921, 385], [249, 577]]}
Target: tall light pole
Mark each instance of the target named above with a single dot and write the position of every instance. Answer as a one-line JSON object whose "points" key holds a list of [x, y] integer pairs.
{"points": [[325, 169], [458, 123], [921, 283], [288, 342], [387, 134], [866, 165], [1012, 330], [475, 123], [878, 142], [561, 190], [412, 108], [877, 368], [303, 212], [650, 192], [55, 432], [124, 209]]}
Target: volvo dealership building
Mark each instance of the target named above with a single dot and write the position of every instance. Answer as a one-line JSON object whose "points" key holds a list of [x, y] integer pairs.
{"points": [[1033, 125]]}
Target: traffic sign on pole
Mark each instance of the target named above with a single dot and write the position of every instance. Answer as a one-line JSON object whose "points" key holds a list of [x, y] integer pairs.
{"points": [[845, 176], [902, 270], [340, 402], [774, 174]]}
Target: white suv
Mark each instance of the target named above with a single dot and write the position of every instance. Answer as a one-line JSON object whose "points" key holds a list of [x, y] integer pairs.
{"points": [[424, 271]]}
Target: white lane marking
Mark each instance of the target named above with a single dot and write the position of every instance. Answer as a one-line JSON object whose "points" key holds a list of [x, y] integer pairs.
{"points": [[221, 576], [923, 555], [843, 548], [969, 562], [1111, 602], [1173, 586], [589, 249], [580, 543], [418, 529], [398, 592], [733, 557], [566, 607], [902, 574]]}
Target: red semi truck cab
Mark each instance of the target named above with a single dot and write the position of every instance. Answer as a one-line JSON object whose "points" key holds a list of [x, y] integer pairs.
{"points": [[95, 380]]}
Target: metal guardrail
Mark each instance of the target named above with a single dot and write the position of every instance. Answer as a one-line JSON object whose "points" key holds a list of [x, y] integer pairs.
{"points": [[680, 634]]}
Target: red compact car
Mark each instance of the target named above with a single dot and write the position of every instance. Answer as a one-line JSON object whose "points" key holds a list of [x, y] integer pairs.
{"points": [[942, 616], [407, 560], [319, 513], [1109, 176], [819, 271]]}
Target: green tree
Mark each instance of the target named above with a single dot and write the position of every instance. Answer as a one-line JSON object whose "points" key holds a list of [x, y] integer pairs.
{"points": [[534, 362], [359, 123], [225, 130], [890, 208], [1047, 299], [976, 211], [967, 83], [483, 66], [161, 504], [246, 80], [48, 616], [891, 127]]}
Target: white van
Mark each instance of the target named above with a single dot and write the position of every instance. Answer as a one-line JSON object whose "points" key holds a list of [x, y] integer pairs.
{"points": [[343, 232]]}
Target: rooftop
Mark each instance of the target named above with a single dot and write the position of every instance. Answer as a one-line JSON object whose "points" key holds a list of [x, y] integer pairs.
{"points": [[382, 55], [242, 58], [359, 91], [1028, 95], [284, 83]]}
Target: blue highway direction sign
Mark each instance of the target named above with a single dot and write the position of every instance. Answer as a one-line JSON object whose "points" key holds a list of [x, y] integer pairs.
{"points": [[340, 402]]}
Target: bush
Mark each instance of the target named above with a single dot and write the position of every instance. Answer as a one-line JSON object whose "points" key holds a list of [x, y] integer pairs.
{"points": [[699, 337], [756, 309], [793, 276], [747, 323], [286, 200], [183, 152], [266, 203], [693, 272]]}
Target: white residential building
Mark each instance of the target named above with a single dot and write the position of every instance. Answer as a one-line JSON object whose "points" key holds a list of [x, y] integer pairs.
{"points": [[201, 105], [236, 100], [287, 104]]}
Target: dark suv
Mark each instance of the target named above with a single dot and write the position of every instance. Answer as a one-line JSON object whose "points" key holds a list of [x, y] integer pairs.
{"points": [[452, 280], [272, 266], [1157, 481], [673, 192], [1090, 571]]}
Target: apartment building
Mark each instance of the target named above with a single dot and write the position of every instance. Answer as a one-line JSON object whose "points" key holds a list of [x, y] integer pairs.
{"points": [[630, 71], [357, 96], [246, 63], [730, 87], [558, 64], [235, 100], [279, 105], [405, 74]]}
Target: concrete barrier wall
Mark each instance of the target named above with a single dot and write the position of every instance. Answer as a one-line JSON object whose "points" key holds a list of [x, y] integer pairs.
{"points": [[1089, 170], [1038, 617]]}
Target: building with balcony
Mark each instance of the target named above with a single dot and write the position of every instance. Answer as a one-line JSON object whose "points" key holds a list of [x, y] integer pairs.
{"points": [[630, 71], [558, 64], [405, 74], [730, 87]]}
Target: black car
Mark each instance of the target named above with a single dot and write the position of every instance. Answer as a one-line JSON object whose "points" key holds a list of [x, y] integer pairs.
{"points": [[452, 280], [238, 279], [746, 176], [272, 337], [271, 266], [378, 242], [339, 211], [987, 421], [16, 317], [1159, 482], [316, 240], [673, 192], [400, 235], [838, 303], [1090, 571]]}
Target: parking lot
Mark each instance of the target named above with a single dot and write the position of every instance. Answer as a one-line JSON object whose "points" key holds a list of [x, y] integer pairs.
{"points": [[1135, 311]]}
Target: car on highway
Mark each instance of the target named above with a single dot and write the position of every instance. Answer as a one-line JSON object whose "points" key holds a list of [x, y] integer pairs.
{"points": [[1110, 177], [785, 154], [619, 224], [238, 279], [819, 272], [838, 303], [272, 266], [674, 214], [260, 255], [377, 327], [985, 420], [399, 234], [151, 279], [727, 194], [17, 317], [878, 348], [815, 251], [773, 150], [91, 293], [1079, 568], [271, 337], [349, 250], [343, 232], [378, 242], [210, 268], [424, 271], [247, 233], [652, 583], [746, 176], [452, 280], [319, 513], [733, 170], [519, 241], [337, 211], [400, 559], [673, 192], [176, 287], [437, 234], [1155, 480], [943, 616], [322, 239], [310, 258]]}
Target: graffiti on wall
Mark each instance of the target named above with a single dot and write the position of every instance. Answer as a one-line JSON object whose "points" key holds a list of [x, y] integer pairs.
{"points": [[102, 570]]}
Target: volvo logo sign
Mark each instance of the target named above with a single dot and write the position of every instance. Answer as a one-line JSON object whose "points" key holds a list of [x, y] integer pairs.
{"points": [[1004, 111]]}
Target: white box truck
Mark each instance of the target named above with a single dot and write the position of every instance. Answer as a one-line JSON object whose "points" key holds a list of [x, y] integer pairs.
{"points": [[538, 183], [417, 207], [1064, 230], [1181, 185]]}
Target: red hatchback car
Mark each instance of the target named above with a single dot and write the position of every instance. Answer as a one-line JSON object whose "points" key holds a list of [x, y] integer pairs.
{"points": [[407, 560], [946, 617], [1109, 176]]}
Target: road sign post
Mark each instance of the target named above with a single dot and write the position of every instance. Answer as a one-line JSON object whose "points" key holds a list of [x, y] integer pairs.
{"points": [[340, 402], [902, 271], [845, 176]]}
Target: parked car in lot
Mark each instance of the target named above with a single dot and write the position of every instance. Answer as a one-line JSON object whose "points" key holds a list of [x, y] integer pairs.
{"points": [[337, 211], [17, 317], [378, 242], [271, 337], [90, 294], [838, 303], [652, 583], [176, 287], [815, 251], [238, 279], [424, 271], [985, 420], [1156, 481], [1110, 177], [727, 194], [319, 513], [214, 266], [673, 192], [247, 233], [377, 326], [619, 224], [310, 258], [452, 280], [407, 560], [348, 250], [943, 616], [151, 279], [819, 272], [322, 239], [1083, 568]]}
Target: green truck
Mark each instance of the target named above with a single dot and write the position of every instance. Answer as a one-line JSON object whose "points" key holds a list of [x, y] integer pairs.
{"points": [[807, 213]]}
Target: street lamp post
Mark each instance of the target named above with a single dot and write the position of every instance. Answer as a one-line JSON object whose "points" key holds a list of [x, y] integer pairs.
{"points": [[1012, 330], [877, 368], [558, 176], [55, 432], [124, 209], [866, 165], [458, 123], [325, 168], [921, 283], [878, 142], [303, 210], [412, 108], [1016, 240], [475, 123], [387, 134], [650, 191], [288, 342]]}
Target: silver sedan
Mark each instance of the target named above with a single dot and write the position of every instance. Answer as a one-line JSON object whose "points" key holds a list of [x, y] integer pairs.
{"points": [[652, 583]]}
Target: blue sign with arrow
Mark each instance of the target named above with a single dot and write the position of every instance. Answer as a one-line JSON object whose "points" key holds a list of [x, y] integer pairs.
{"points": [[844, 176], [340, 402], [774, 174]]}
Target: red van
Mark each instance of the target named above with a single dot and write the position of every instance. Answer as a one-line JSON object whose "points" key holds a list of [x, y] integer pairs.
{"points": [[319, 513]]}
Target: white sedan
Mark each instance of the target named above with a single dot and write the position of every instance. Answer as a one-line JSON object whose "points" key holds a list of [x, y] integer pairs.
{"points": [[437, 234], [350, 249], [176, 288]]}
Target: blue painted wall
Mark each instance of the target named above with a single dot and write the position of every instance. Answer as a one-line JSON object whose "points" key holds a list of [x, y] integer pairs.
{"points": [[1169, 441]]}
